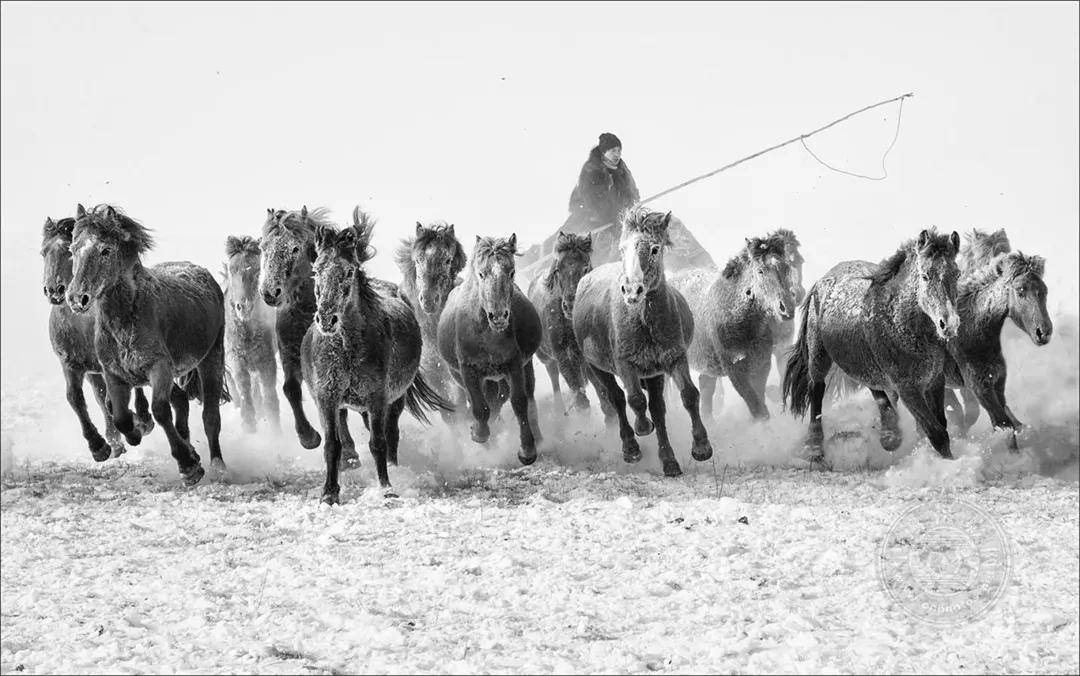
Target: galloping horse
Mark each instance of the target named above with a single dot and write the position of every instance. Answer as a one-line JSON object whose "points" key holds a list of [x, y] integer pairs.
{"points": [[153, 325], [783, 330], [886, 327], [488, 333], [631, 322]]}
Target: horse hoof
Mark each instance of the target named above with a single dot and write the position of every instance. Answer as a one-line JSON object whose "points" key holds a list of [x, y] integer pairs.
{"points": [[643, 427], [101, 451], [118, 449], [702, 450], [946, 454], [133, 437], [672, 469], [392, 459], [631, 452], [310, 439], [217, 465], [527, 457], [350, 459], [193, 474], [389, 494], [331, 498], [890, 440], [480, 434], [1013, 445], [144, 425]]}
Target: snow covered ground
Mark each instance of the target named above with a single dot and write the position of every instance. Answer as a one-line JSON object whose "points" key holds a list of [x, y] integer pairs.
{"points": [[750, 562]]}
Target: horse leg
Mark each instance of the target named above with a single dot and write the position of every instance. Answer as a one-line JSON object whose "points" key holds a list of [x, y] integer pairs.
{"points": [[570, 365], [293, 391], [611, 418], [552, 367], [954, 412], [691, 400], [116, 442], [924, 407], [99, 448], [349, 457], [972, 407], [889, 435], [268, 377], [211, 378], [658, 410], [519, 402], [605, 383], [741, 376], [182, 406], [328, 414], [707, 388], [393, 431], [377, 414], [530, 395], [187, 460], [478, 404], [780, 352], [242, 383], [143, 419], [635, 397], [119, 395], [1014, 423]]}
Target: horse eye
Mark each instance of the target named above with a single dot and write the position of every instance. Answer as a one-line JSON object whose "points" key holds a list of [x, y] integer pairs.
{"points": [[296, 249], [655, 250], [106, 251], [480, 275], [926, 277]]}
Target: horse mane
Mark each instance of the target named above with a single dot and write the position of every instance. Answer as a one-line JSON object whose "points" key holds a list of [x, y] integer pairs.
{"points": [[638, 218], [427, 234], [791, 242], [936, 244], [757, 248], [108, 222], [566, 243], [982, 247], [1009, 266], [299, 222], [244, 245], [499, 247], [53, 229]]}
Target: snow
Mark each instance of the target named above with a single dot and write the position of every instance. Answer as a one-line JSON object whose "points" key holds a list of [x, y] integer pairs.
{"points": [[753, 561]]}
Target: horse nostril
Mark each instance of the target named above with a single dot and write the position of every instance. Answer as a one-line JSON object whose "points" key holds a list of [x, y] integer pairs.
{"points": [[277, 292], [783, 307], [60, 288], [941, 323], [85, 300], [640, 289], [333, 320], [1039, 333], [46, 289]]}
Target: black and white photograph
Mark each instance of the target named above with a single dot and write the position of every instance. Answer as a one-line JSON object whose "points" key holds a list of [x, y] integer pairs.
{"points": [[539, 337]]}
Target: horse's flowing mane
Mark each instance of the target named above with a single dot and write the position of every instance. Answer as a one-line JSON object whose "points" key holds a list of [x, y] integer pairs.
{"points": [[437, 230], [302, 222], [245, 245], [936, 245], [1006, 266], [566, 243], [757, 248], [981, 247], [499, 247], [791, 242], [108, 222], [638, 218]]}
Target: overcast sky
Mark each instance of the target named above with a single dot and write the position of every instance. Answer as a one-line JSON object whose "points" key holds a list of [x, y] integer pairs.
{"points": [[196, 118]]}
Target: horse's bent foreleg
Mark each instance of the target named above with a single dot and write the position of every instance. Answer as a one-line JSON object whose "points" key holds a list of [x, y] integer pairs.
{"points": [[478, 404], [187, 460], [293, 391], [606, 384], [519, 401], [112, 435], [119, 396], [741, 379], [635, 397], [144, 420], [328, 414], [99, 448], [889, 435], [924, 407], [570, 364], [691, 400], [658, 409], [349, 457]]}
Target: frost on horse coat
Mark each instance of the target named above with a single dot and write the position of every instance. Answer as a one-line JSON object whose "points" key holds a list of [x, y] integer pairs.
{"points": [[630, 322], [363, 350], [154, 325], [737, 310], [886, 327], [488, 333]]}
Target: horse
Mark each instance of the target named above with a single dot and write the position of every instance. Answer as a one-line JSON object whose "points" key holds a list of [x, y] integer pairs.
{"points": [[552, 294], [631, 322], [783, 330], [249, 333], [980, 247], [153, 325], [431, 263], [736, 311], [285, 283], [72, 339], [488, 333], [885, 326], [362, 351]]}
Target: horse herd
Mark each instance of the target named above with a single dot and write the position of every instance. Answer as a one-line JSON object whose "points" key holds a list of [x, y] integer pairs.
{"points": [[458, 333]]}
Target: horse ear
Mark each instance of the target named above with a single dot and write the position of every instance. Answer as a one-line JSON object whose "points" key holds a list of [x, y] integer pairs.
{"points": [[451, 230], [478, 239], [924, 236], [110, 213], [562, 236], [588, 242], [232, 245], [419, 228], [269, 212], [80, 211], [666, 222], [955, 239], [49, 223], [1038, 265], [303, 213], [513, 241]]}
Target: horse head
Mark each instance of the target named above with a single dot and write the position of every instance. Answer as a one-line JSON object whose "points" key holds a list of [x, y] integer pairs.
{"points": [[767, 276], [493, 270], [242, 267], [1027, 291], [644, 238], [795, 263], [937, 273], [288, 247], [339, 257], [573, 260], [434, 258], [56, 252], [105, 245]]}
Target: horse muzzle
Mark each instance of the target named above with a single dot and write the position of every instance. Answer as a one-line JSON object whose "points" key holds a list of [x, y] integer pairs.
{"points": [[428, 303], [272, 297], [499, 321], [632, 292], [1041, 335], [947, 328], [568, 308], [78, 302], [55, 294], [327, 324]]}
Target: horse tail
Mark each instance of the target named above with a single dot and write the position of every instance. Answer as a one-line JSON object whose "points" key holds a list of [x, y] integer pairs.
{"points": [[191, 384], [796, 387], [420, 396]]}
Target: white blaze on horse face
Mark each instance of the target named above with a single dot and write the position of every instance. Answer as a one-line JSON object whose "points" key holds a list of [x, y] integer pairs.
{"points": [[632, 270]]}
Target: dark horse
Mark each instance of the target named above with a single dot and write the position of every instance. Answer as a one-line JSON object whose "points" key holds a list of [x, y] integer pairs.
{"points": [[489, 332], [784, 329], [285, 281], [736, 311], [72, 338], [153, 325], [362, 352], [631, 322], [431, 263], [552, 294], [249, 333], [885, 326]]}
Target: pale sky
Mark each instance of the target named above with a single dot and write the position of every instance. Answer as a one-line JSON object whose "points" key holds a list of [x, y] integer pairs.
{"points": [[196, 118]]}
